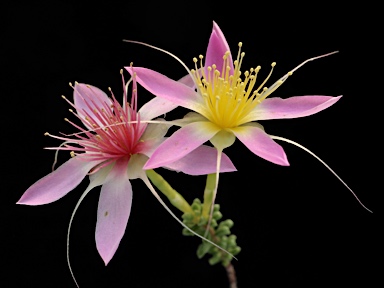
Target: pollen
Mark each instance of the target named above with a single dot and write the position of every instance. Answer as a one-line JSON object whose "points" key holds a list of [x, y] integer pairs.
{"points": [[230, 95]]}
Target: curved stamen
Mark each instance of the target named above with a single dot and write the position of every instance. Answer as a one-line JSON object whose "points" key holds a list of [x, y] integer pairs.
{"points": [[322, 162]]}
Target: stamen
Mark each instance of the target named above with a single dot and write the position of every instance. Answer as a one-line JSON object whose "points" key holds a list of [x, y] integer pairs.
{"points": [[269, 75], [322, 162]]}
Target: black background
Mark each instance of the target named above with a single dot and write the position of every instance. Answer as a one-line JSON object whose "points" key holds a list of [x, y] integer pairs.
{"points": [[298, 226]]}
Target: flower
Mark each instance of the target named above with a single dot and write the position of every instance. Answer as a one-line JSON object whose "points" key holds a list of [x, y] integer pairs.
{"points": [[112, 150], [225, 105]]}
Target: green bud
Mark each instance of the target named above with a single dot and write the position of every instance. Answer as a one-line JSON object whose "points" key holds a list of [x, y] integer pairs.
{"points": [[223, 230], [186, 232], [203, 249], [188, 216], [202, 221], [196, 208], [215, 259], [213, 223], [216, 207], [232, 241], [224, 242], [235, 250], [215, 250], [229, 223], [217, 215], [197, 201]]}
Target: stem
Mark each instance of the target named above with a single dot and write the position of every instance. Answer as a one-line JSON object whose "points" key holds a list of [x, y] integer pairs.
{"points": [[175, 198], [208, 194], [231, 276]]}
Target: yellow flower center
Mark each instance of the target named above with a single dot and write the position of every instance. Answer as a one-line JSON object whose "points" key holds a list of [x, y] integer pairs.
{"points": [[229, 98]]}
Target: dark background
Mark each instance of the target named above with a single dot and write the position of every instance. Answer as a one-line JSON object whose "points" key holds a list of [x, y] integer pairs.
{"points": [[298, 226]]}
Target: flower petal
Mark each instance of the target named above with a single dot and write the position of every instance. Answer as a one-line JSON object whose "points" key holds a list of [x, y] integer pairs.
{"points": [[135, 166], [152, 137], [164, 87], [57, 183], [187, 80], [182, 142], [83, 93], [293, 107], [261, 144], [217, 47], [113, 211], [189, 118], [202, 161], [156, 107]]}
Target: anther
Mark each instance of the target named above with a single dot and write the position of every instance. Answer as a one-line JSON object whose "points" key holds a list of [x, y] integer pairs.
{"points": [[273, 64], [46, 134], [240, 44], [195, 59], [62, 96]]}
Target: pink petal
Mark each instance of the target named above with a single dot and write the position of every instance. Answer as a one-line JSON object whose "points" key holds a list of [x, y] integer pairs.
{"points": [[217, 46], [202, 161], [87, 92], [113, 210], [187, 80], [166, 88], [156, 107], [293, 107], [57, 183], [181, 143], [261, 144]]}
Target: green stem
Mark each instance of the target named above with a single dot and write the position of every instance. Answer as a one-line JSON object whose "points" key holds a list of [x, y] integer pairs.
{"points": [[173, 196], [208, 194]]}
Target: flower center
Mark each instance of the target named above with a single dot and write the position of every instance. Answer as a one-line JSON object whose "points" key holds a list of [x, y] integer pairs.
{"points": [[229, 98], [114, 130]]}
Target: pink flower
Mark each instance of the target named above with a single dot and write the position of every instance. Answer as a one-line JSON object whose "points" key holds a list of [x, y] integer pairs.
{"points": [[113, 149], [226, 105]]}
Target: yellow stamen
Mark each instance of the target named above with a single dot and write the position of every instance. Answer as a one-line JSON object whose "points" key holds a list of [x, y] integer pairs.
{"points": [[229, 98]]}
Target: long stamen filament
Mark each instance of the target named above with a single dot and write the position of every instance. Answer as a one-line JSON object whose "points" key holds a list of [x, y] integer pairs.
{"points": [[322, 162]]}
